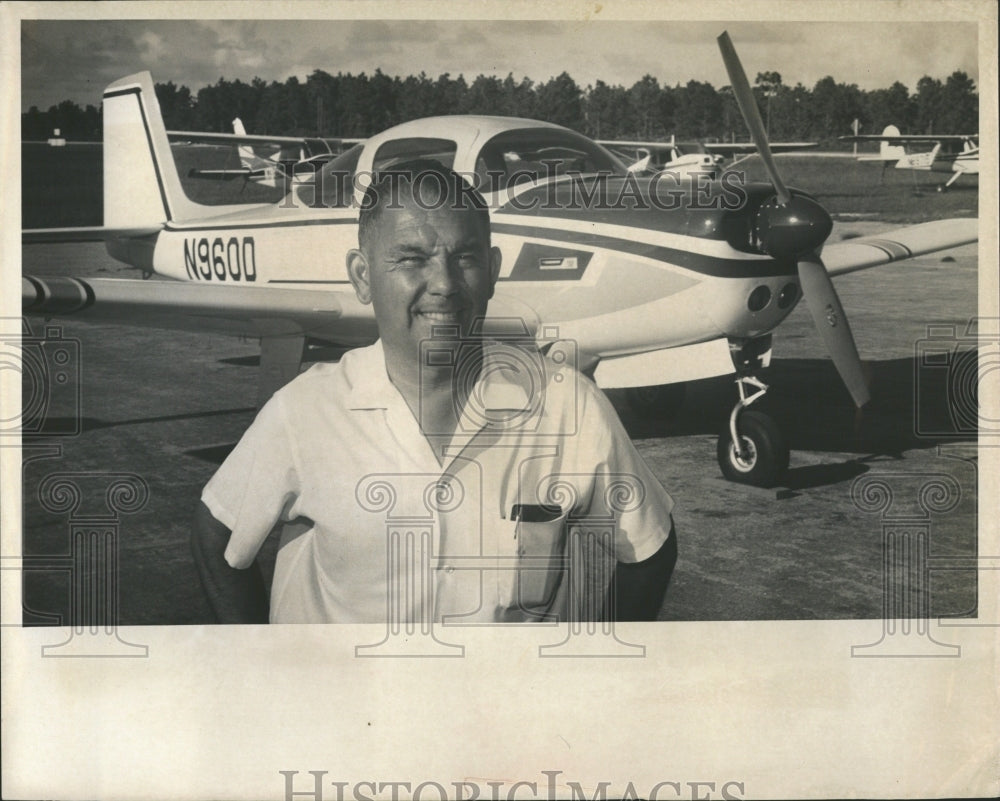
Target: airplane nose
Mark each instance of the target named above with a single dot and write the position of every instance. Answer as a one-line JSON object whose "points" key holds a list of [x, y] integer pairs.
{"points": [[789, 230]]}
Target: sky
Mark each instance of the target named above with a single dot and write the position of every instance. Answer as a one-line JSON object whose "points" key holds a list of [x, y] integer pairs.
{"points": [[75, 59]]}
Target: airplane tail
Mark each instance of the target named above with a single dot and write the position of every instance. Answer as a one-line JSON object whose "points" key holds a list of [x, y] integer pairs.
{"points": [[245, 152], [141, 186], [890, 152], [264, 170]]}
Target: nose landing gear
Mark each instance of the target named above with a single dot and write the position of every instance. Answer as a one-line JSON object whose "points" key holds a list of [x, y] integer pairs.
{"points": [[753, 450]]}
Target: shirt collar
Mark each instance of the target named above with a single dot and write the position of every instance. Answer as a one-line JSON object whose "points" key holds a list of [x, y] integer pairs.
{"points": [[370, 384], [504, 385]]}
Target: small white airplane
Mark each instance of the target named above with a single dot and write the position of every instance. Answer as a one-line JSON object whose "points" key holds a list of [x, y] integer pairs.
{"points": [[954, 153], [651, 290], [268, 160], [689, 159]]}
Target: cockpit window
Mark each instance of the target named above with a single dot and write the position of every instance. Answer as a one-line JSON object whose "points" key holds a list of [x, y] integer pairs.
{"points": [[532, 154]]}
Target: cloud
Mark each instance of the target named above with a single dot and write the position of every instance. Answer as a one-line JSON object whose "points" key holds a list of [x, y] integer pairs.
{"points": [[153, 47], [76, 59]]}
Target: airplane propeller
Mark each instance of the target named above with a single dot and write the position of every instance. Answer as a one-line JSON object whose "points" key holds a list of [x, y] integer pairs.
{"points": [[793, 225]]}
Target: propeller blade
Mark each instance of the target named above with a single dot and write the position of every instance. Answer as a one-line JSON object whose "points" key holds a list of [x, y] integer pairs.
{"points": [[751, 114], [831, 322]]}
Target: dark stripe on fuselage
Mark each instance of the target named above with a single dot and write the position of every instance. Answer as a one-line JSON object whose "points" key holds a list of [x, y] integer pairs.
{"points": [[149, 141], [235, 224], [696, 262]]}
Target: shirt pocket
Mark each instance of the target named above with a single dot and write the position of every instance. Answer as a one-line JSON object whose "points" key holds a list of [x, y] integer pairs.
{"points": [[541, 566]]}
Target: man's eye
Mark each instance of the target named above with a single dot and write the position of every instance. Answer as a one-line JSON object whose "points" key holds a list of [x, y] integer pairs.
{"points": [[468, 260]]}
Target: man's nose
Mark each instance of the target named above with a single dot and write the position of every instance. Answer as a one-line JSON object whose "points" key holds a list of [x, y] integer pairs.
{"points": [[442, 278]]}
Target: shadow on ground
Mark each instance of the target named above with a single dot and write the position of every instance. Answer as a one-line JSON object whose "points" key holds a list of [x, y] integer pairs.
{"points": [[912, 407]]}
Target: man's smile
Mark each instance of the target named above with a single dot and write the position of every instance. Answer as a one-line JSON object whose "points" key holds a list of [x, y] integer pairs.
{"points": [[439, 316]]}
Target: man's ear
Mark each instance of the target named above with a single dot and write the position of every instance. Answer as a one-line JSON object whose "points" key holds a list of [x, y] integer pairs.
{"points": [[359, 271], [495, 258]]}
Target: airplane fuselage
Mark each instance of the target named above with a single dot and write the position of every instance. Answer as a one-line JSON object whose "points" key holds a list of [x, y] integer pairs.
{"points": [[613, 289]]}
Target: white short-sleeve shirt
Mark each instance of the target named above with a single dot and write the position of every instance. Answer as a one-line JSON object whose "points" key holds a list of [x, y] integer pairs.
{"points": [[374, 527]]}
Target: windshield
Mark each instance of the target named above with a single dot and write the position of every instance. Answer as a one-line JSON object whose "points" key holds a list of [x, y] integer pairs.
{"points": [[532, 154]]}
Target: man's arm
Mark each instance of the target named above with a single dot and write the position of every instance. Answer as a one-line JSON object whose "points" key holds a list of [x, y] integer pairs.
{"points": [[637, 588], [236, 596]]}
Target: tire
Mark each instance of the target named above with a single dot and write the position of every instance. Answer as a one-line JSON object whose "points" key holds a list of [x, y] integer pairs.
{"points": [[768, 451], [661, 402]]}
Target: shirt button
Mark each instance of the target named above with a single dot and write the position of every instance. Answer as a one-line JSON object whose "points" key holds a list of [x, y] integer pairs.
{"points": [[449, 569]]}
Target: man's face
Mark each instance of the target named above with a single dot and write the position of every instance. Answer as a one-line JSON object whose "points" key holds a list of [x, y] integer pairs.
{"points": [[425, 268]]}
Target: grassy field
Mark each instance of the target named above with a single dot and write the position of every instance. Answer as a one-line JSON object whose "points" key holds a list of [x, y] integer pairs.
{"points": [[850, 189], [60, 186], [63, 186]]}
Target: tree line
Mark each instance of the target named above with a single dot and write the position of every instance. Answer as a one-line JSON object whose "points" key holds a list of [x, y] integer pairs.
{"points": [[360, 105]]}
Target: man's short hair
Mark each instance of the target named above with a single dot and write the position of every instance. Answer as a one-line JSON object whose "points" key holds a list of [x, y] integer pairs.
{"points": [[429, 183]]}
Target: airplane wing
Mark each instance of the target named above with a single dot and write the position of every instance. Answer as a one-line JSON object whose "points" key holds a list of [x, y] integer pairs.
{"points": [[235, 172], [255, 139], [901, 138], [334, 316], [723, 148], [629, 143], [728, 149], [283, 319], [82, 233], [903, 243]]}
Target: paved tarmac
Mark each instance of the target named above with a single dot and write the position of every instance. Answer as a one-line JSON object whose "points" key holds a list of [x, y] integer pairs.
{"points": [[167, 406]]}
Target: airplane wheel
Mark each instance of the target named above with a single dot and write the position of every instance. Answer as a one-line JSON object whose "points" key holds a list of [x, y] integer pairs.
{"points": [[661, 402], [766, 449]]}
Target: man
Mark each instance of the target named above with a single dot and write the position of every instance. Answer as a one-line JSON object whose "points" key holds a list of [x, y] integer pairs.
{"points": [[437, 474]]}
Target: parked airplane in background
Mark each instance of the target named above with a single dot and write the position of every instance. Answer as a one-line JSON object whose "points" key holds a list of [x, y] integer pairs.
{"points": [[954, 153], [688, 158], [649, 289], [268, 160]]}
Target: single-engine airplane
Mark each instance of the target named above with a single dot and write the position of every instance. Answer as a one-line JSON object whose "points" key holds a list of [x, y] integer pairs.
{"points": [[653, 283], [268, 160], [689, 158], [954, 153]]}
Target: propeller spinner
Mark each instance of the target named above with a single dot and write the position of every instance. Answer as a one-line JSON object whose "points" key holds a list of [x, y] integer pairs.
{"points": [[794, 226]]}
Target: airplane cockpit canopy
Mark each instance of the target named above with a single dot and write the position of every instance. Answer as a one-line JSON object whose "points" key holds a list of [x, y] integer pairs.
{"points": [[512, 157]]}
